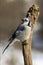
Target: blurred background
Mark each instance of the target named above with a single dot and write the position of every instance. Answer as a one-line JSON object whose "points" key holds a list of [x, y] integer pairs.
{"points": [[11, 13]]}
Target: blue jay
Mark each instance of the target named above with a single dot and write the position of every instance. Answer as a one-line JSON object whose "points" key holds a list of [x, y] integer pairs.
{"points": [[22, 32]]}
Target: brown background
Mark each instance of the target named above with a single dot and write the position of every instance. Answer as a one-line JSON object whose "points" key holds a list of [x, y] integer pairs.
{"points": [[11, 13]]}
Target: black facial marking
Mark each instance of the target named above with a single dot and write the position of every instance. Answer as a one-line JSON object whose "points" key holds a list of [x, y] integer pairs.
{"points": [[29, 24], [25, 20]]}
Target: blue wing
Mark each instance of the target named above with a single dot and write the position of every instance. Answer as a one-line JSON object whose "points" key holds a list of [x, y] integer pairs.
{"points": [[19, 28], [14, 35]]}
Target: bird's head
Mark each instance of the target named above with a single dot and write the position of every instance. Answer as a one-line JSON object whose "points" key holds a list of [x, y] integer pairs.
{"points": [[27, 21]]}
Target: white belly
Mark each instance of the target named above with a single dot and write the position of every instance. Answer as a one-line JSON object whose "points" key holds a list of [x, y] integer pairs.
{"points": [[25, 34]]}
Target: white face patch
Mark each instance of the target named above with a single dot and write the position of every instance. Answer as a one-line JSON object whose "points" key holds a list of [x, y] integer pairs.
{"points": [[27, 21]]}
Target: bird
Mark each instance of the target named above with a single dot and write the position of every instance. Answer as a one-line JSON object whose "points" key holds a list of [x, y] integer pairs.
{"points": [[22, 32]]}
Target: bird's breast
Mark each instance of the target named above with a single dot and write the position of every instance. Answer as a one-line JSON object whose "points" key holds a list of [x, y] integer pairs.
{"points": [[24, 35], [27, 31]]}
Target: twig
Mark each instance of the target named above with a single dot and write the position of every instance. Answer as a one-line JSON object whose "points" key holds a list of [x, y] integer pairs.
{"points": [[33, 13]]}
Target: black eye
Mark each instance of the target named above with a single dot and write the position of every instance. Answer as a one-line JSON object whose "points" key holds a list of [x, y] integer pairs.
{"points": [[25, 20]]}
